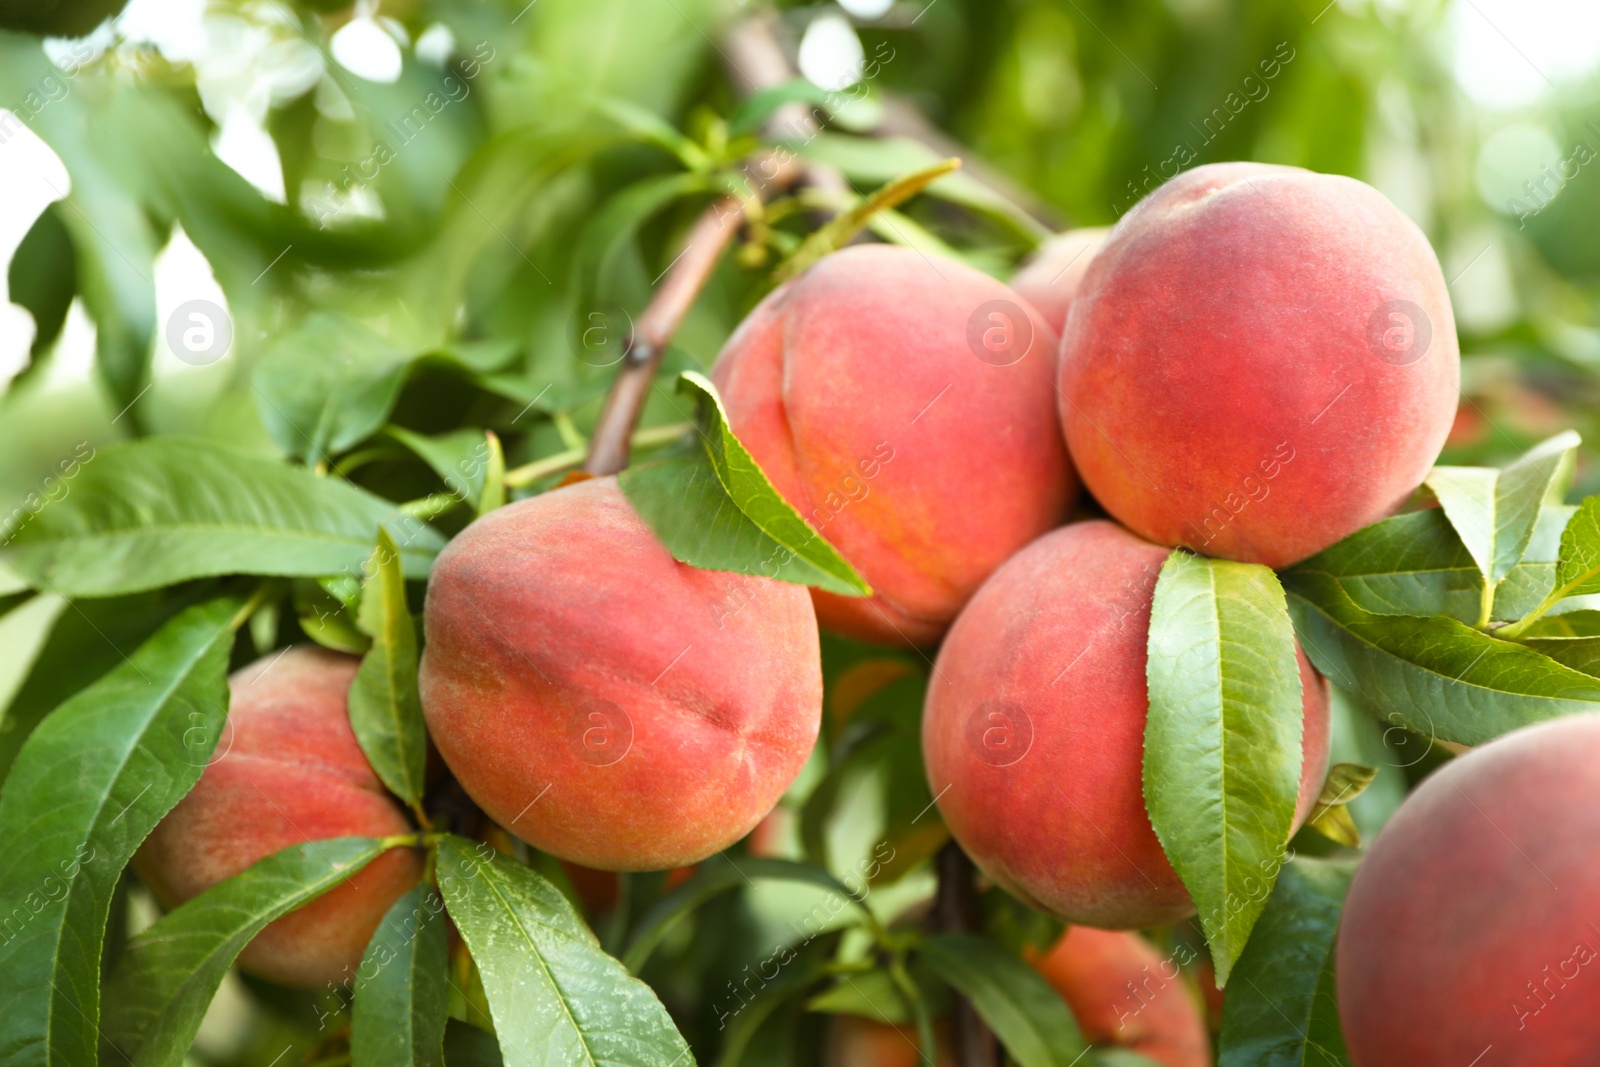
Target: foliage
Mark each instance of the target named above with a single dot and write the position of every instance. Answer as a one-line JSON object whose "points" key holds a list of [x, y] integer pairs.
{"points": [[424, 326]]}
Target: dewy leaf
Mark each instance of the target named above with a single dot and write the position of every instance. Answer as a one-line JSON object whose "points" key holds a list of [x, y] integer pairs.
{"points": [[328, 384], [402, 992], [1494, 511], [88, 786], [1030, 1018], [164, 982], [1280, 1010], [557, 999], [1222, 742], [385, 707], [1329, 816], [1415, 564], [714, 508], [167, 509], [1436, 676]]}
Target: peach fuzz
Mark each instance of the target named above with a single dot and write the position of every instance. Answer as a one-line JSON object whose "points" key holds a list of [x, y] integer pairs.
{"points": [[604, 702], [860, 390], [1260, 361], [1474, 920], [287, 770], [1126, 994], [1033, 731], [1052, 276]]}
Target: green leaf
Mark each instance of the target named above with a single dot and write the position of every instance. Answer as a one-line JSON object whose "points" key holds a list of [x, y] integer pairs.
{"points": [[1280, 1009], [1436, 676], [1415, 564], [1329, 816], [86, 640], [715, 876], [843, 228], [714, 508], [1572, 639], [1222, 741], [1494, 511], [385, 707], [403, 987], [460, 459], [168, 509], [1578, 566], [161, 987], [328, 384], [91, 782], [556, 997], [1025, 1013]]}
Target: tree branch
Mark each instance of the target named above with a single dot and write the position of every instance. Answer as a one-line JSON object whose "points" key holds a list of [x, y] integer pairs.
{"points": [[756, 61], [955, 909]]}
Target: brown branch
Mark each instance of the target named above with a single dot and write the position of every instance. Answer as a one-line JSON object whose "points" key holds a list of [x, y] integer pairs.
{"points": [[756, 61], [710, 236], [955, 909]]}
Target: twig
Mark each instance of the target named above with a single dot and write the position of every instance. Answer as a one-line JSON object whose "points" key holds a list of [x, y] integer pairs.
{"points": [[710, 235], [955, 909], [756, 61]]}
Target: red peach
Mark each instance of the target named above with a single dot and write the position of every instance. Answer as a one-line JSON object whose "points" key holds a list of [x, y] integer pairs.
{"points": [[605, 702], [906, 408], [1126, 994], [288, 770], [1051, 277], [1472, 930], [1260, 361], [1052, 652]]}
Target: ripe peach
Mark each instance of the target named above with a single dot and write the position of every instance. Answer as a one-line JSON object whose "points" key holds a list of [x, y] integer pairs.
{"points": [[1126, 994], [1051, 278], [287, 770], [605, 702], [1472, 923], [1259, 361], [1033, 730], [905, 407], [857, 1042]]}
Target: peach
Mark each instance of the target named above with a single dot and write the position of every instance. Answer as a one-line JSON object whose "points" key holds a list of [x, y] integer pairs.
{"points": [[1126, 994], [906, 408], [854, 1041], [1473, 924], [1260, 361], [604, 702], [1033, 731], [287, 770], [1051, 277]]}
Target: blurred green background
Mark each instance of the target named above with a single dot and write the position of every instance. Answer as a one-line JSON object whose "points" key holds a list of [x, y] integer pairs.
{"points": [[441, 213]]}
